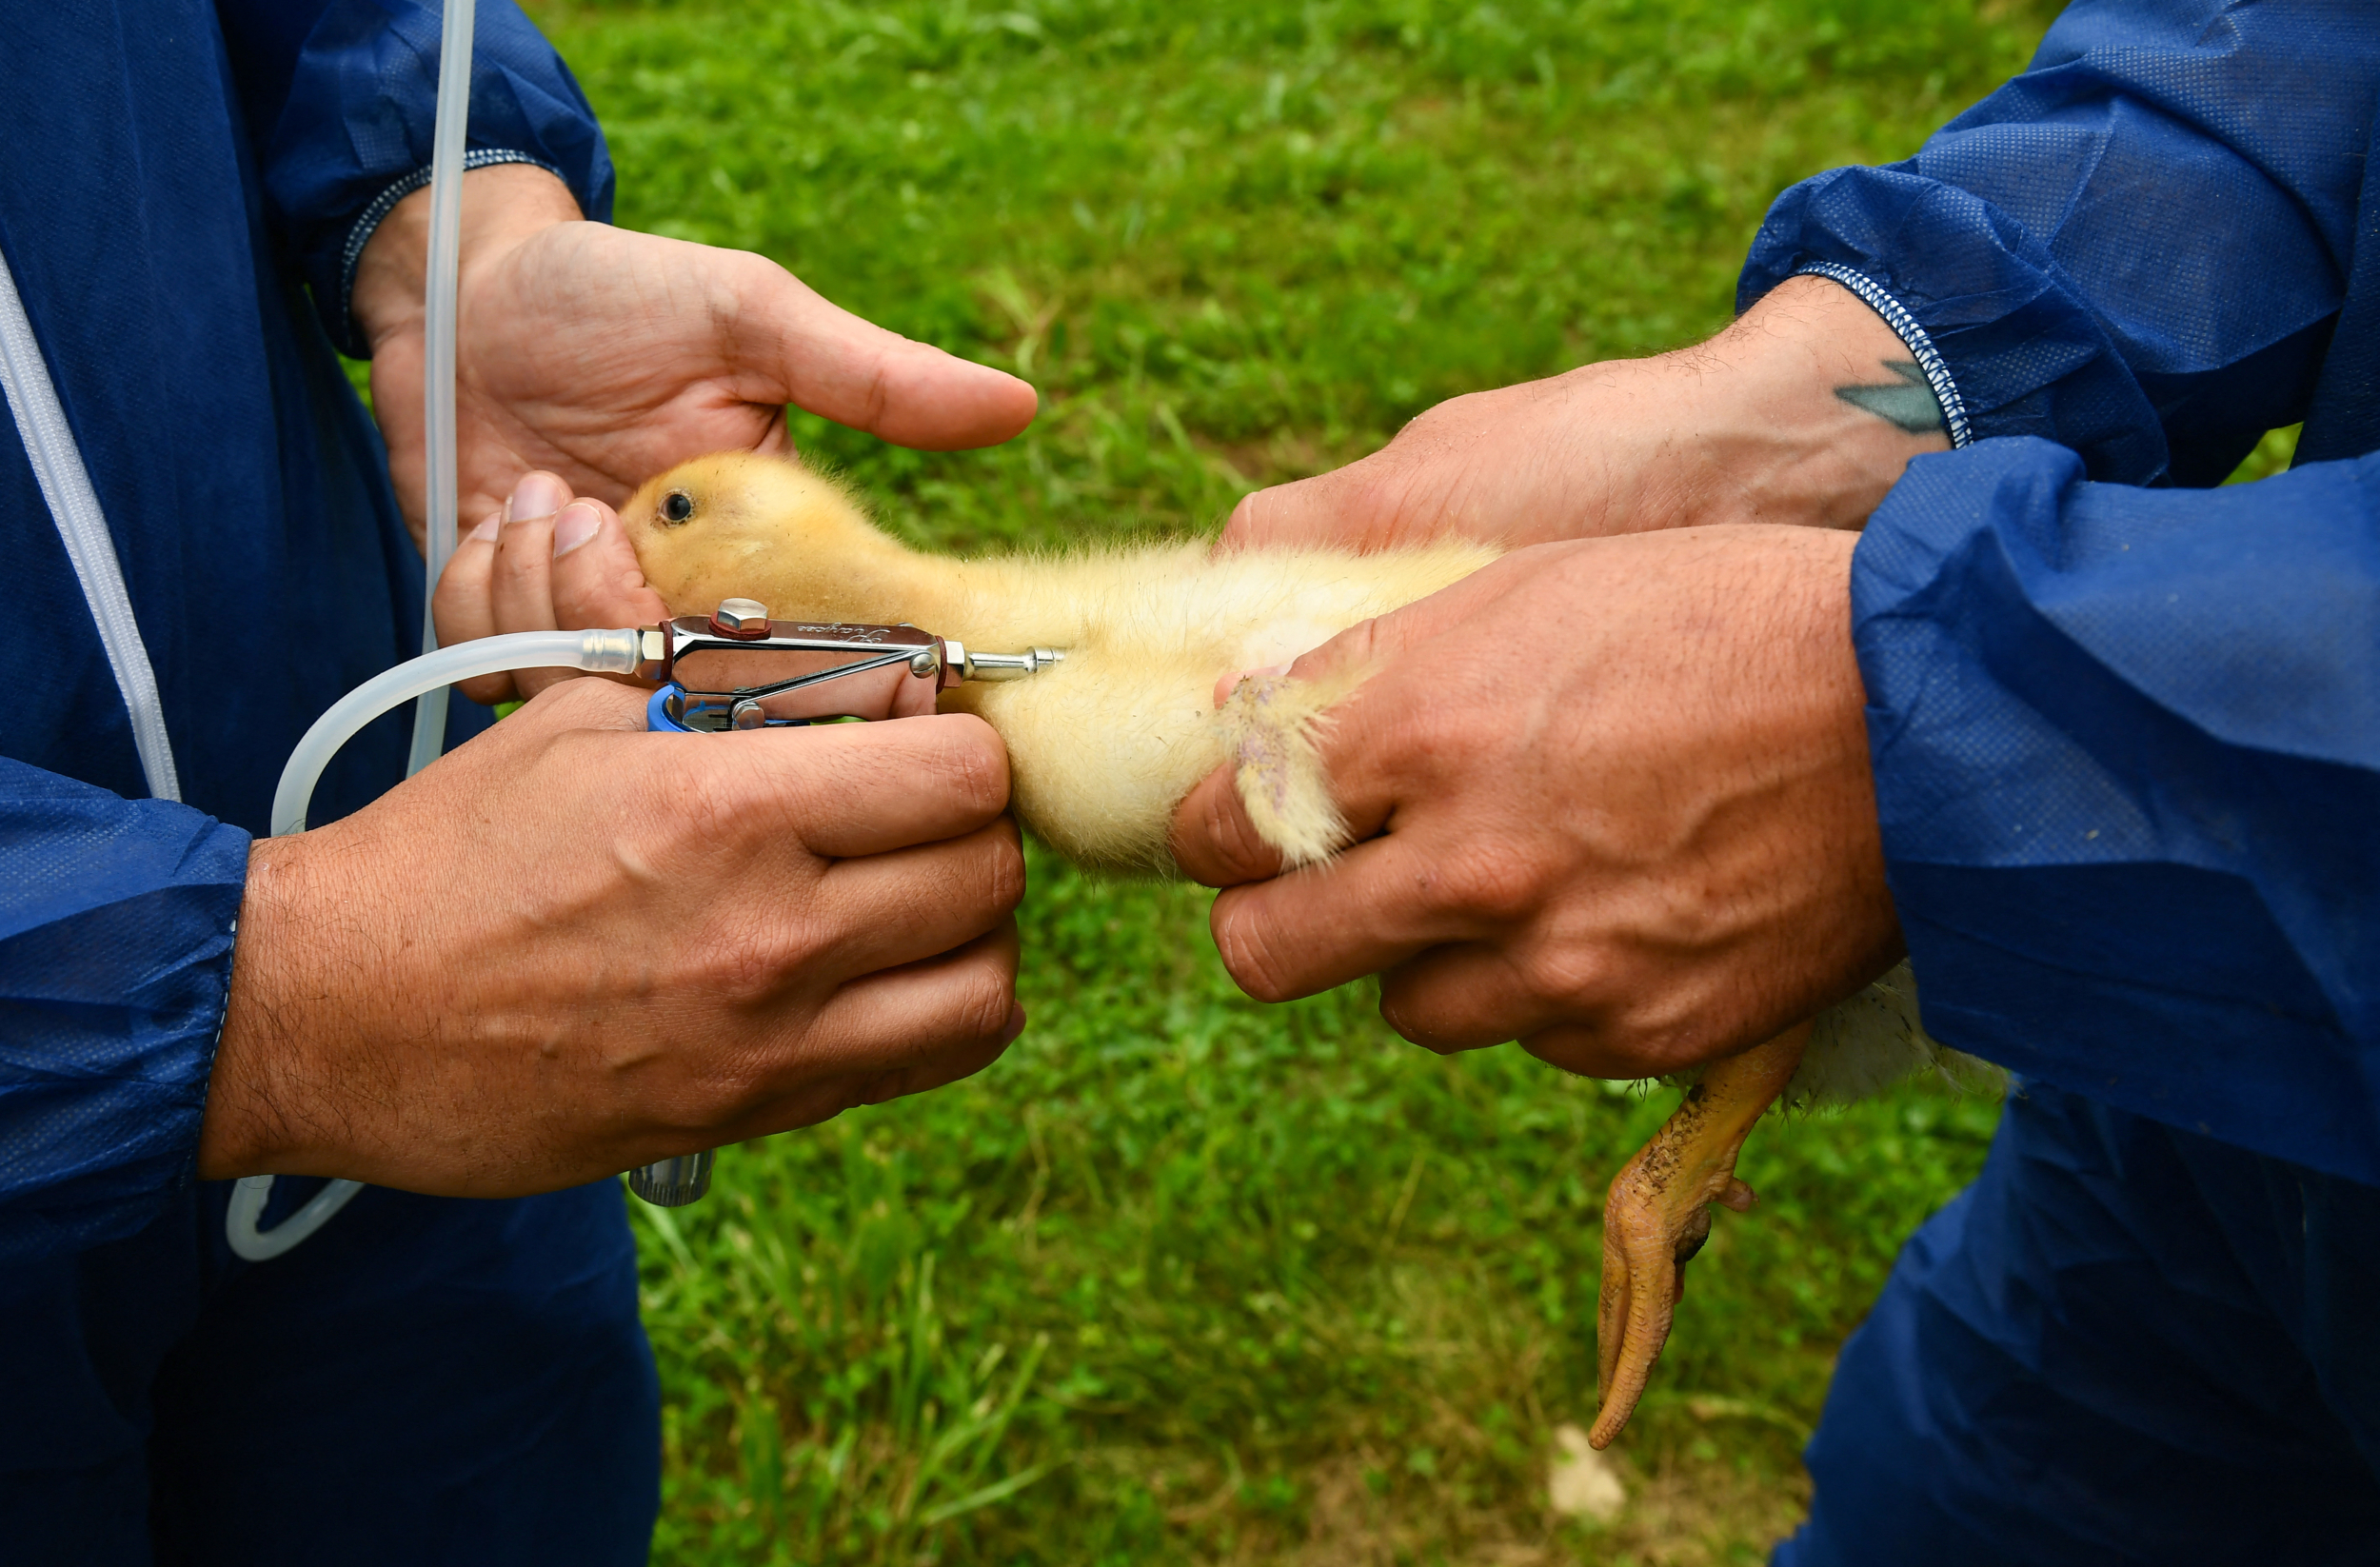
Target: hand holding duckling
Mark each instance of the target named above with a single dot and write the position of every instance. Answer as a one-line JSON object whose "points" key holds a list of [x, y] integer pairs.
{"points": [[1609, 798], [548, 561], [1650, 839]]}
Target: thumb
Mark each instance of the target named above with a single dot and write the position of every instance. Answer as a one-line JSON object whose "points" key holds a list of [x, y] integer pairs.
{"points": [[596, 578], [814, 353], [1212, 837]]}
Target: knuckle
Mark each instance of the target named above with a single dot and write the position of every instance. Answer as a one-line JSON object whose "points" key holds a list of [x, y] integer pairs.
{"points": [[1398, 1011], [1426, 755], [980, 767], [757, 1063], [1570, 978], [1449, 738], [879, 1089], [1425, 428], [709, 804], [1489, 882], [1004, 870], [1249, 956], [1245, 851], [962, 755], [1225, 841], [981, 1007], [746, 962], [1451, 422], [1576, 1048], [1374, 488], [578, 699], [448, 604], [1357, 645]]}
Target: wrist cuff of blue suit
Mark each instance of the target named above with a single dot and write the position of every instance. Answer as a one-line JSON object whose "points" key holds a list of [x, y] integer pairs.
{"points": [[1905, 327]]}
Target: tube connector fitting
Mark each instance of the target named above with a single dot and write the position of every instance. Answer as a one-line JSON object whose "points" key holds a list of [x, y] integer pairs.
{"points": [[617, 653]]}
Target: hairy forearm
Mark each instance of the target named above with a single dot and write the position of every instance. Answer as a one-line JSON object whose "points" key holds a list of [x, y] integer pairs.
{"points": [[260, 1094], [1813, 407], [1804, 411]]}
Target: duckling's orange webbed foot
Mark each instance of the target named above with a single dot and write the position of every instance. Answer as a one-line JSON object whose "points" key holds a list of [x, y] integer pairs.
{"points": [[1657, 1216]]}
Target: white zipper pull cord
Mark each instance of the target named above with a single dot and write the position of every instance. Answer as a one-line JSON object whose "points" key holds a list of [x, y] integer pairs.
{"points": [[65, 484]]}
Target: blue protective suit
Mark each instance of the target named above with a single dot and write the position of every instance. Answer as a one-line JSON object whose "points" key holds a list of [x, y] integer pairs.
{"points": [[2126, 733], [427, 1380]]}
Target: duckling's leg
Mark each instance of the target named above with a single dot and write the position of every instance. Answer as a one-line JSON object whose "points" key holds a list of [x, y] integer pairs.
{"points": [[1273, 726], [1658, 1214]]}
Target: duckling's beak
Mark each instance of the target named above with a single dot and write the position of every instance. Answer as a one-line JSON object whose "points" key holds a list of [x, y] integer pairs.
{"points": [[1658, 1213]]}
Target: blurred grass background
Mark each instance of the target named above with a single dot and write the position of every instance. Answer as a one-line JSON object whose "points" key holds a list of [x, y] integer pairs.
{"points": [[1185, 1278]]}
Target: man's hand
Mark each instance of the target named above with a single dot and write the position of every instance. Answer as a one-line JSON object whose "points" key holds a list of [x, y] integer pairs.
{"points": [[1612, 798], [571, 947], [1803, 411], [605, 355]]}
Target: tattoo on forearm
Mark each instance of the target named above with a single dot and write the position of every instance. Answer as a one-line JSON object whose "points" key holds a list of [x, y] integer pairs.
{"points": [[1908, 402]]}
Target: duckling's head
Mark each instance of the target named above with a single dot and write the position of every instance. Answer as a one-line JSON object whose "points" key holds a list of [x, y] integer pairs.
{"points": [[739, 524]]}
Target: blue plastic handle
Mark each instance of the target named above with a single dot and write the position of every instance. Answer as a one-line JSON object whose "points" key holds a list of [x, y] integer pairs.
{"points": [[657, 717]]}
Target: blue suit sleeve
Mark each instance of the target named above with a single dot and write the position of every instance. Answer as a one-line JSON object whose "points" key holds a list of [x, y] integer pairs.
{"points": [[2070, 258], [340, 99], [116, 921], [2127, 752]]}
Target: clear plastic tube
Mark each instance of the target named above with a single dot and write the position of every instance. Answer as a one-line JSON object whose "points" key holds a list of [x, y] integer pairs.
{"points": [[442, 478], [441, 491], [247, 1205], [604, 652], [598, 652]]}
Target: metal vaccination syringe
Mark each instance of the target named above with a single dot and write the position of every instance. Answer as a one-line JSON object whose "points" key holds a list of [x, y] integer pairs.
{"points": [[707, 670]]}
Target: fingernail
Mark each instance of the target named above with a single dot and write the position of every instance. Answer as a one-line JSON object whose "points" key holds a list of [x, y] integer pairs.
{"points": [[1016, 1024], [577, 523], [537, 495], [487, 529]]}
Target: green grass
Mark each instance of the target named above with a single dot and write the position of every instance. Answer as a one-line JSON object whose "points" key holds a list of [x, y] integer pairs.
{"points": [[2271, 456], [1185, 1277]]}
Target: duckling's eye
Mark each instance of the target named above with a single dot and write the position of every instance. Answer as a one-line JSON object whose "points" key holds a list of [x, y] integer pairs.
{"points": [[677, 507]]}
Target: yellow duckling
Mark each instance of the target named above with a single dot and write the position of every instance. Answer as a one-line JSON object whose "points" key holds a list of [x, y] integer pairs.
{"points": [[1104, 746]]}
